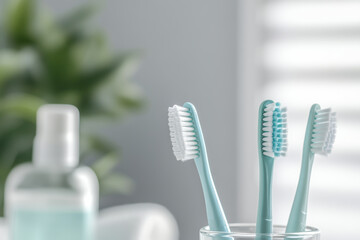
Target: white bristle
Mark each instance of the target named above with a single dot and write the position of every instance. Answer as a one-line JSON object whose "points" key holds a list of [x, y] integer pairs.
{"points": [[274, 130], [182, 134], [324, 131]]}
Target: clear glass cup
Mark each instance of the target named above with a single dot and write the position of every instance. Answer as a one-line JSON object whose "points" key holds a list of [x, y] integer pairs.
{"points": [[246, 231]]}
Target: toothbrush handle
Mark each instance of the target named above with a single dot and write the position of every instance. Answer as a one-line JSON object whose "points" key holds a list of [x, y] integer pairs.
{"points": [[297, 219], [264, 215], [216, 217], [215, 213]]}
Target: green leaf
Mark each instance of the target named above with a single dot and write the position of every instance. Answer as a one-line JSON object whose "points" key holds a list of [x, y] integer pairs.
{"points": [[117, 94], [132, 101], [15, 144], [129, 66], [18, 21], [77, 18], [105, 165], [14, 62], [93, 51], [21, 105], [117, 183], [101, 144], [93, 77], [111, 182], [9, 65]]}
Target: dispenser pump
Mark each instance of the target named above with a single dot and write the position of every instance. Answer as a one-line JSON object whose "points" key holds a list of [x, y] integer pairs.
{"points": [[56, 144]]}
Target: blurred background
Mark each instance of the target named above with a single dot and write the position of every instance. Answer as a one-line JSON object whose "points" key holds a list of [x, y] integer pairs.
{"points": [[124, 62]]}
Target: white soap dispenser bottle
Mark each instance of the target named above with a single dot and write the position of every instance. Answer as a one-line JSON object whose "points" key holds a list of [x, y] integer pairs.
{"points": [[53, 198]]}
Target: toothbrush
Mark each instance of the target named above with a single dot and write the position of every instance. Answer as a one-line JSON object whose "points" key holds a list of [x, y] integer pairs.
{"points": [[188, 143], [272, 143], [319, 139]]}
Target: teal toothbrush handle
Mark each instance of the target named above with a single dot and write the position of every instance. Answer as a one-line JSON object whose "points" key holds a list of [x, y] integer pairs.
{"points": [[297, 219], [215, 213], [266, 164], [264, 214]]}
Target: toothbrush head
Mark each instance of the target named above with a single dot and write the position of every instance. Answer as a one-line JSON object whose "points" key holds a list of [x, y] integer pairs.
{"points": [[182, 133], [273, 129], [323, 131]]}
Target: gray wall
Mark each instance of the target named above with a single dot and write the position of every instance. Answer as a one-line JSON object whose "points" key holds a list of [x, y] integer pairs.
{"points": [[190, 55]]}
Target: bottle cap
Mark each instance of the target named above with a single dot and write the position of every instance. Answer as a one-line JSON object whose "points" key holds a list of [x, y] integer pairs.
{"points": [[56, 144]]}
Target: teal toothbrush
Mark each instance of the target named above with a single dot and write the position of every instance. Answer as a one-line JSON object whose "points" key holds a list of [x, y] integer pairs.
{"points": [[188, 143], [319, 139], [272, 143]]}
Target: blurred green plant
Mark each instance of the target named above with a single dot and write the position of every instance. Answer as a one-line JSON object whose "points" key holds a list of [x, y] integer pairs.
{"points": [[44, 59]]}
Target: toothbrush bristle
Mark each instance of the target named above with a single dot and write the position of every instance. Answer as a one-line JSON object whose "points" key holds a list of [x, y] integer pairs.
{"points": [[274, 130], [182, 133], [324, 131]]}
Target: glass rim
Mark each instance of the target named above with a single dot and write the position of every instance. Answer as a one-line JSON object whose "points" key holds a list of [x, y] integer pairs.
{"points": [[309, 231]]}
